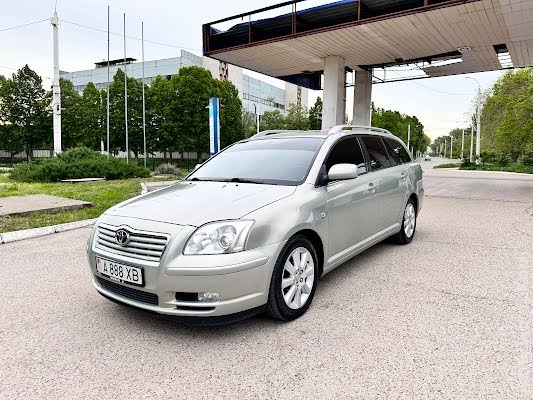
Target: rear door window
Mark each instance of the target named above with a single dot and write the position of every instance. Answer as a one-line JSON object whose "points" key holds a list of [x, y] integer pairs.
{"points": [[393, 150], [377, 153], [400, 150]]}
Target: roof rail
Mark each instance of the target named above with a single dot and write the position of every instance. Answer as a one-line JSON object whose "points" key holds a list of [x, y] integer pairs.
{"points": [[340, 128], [273, 132]]}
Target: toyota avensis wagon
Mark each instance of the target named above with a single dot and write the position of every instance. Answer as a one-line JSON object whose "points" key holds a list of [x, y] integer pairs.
{"points": [[255, 226]]}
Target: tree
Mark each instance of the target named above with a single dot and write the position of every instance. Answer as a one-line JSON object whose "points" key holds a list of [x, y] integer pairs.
{"points": [[162, 126], [297, 118], [71, 119], [4, 93], [194, 86], [272, 120], [116, 109], [398, 124], [93, 112], [315, 115], [249, 123], [506, 117], [26, 106], [231, 124]]}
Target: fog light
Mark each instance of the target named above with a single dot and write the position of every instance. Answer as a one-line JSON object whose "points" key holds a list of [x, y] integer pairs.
{"points": [[208, 296]]}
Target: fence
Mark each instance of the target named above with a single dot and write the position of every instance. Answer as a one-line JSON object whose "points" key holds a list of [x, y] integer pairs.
{"points": [[186, 160]]}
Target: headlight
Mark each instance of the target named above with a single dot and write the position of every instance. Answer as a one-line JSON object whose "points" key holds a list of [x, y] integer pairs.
{"points": [[219, 238]]}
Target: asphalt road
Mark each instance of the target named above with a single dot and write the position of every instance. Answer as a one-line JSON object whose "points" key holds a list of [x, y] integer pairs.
{"points": [[449, 316]]}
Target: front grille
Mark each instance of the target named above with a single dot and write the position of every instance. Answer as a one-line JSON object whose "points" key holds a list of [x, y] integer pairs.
{"points": [[130, 293], [142, 245]]}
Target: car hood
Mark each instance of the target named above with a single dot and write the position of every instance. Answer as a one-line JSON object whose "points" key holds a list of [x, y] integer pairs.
{"points": [[196, 203]]}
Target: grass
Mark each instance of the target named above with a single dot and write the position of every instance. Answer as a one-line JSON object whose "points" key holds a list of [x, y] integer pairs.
{"points": [[449, 165], [513, 167], [103, 195]]}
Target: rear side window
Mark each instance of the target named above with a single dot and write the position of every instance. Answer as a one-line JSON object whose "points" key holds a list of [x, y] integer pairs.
{"points": [[399, 150], [394, 155], [347, 151], [377, 153]]}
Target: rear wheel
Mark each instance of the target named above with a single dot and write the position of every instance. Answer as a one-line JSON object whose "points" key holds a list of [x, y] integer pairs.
{"points": [[407, 232], [294, 280]]}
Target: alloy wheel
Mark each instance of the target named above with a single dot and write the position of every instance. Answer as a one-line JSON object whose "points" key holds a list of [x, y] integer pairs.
{"points": [[409, 220], [298, 278]]}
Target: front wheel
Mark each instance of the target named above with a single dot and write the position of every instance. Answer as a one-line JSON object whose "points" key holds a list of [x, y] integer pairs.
{"points": [[294, 280], [406, 234]]}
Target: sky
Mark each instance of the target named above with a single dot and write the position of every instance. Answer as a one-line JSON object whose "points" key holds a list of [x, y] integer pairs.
{"points": [[441, 104]]}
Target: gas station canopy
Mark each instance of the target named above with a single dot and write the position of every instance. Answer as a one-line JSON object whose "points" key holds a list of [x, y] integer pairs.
{"points": [[419, 38]]}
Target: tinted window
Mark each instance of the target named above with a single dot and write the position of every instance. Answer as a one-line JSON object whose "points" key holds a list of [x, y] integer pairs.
{"points": [[347, 151], [271, 161], [376, 152], [400, 150], [394, 156]]}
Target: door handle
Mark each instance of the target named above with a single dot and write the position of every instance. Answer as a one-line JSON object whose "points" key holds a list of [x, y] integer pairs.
{"points": [[403, 176], [372, 186]]}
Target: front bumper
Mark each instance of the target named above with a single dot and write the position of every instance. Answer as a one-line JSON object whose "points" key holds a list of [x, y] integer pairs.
{"points": [[241, 279]]}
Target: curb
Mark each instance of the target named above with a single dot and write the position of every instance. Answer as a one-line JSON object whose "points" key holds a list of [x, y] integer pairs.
{"points": [[144, 189], [9, 237]]}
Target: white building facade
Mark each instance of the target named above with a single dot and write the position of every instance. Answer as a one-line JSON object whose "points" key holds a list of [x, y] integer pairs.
{"points": [[257, 96]]}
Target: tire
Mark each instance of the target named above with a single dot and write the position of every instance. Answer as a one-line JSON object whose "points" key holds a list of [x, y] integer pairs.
{"points": [[303, 284], [405, 236]]}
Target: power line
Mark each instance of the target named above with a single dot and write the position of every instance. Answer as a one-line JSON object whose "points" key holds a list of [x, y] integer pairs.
{"points": [[16, 69], [24, 25], [129, 37], [435, 90]]}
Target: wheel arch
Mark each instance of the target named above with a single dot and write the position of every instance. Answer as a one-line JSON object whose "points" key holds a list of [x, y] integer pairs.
{"points": [[414, 197], [315, 239]]}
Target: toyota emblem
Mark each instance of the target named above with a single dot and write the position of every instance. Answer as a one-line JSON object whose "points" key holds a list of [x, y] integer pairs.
{"points": [[122, 237]]}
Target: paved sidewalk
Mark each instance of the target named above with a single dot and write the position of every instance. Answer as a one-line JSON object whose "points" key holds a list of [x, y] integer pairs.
{"points": [[26, 205], [151, 186]]}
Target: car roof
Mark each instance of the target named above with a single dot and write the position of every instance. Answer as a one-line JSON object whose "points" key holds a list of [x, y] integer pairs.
{"points": [[339, 130], [288, 134]]}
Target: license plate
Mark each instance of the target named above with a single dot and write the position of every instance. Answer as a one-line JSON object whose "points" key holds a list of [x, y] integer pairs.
{"points": [[120, 272]]}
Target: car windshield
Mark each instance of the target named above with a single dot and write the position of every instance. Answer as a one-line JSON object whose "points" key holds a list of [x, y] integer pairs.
{"points": [[280, 161]]}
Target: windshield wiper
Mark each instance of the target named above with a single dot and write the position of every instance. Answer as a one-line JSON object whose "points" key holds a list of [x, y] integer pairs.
{"points": [[238, 180], [246, 180]]}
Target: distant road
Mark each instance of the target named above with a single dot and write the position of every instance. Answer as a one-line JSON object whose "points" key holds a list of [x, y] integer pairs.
{"points": [[488, 185]]}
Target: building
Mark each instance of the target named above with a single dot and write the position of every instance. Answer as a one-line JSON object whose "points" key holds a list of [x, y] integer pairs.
{"points": [[257, 96]]}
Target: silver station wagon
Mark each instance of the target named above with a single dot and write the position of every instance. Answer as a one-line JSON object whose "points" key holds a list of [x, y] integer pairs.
{"points": [[254, 227]]}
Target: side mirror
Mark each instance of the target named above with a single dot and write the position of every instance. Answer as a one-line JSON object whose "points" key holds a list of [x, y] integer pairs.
{"points": [[197, 166], [340, 172]]}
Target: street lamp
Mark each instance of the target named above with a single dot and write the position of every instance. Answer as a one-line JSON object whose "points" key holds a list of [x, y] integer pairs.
{"points": [[463, 144], [451, 147], [478, 115]]}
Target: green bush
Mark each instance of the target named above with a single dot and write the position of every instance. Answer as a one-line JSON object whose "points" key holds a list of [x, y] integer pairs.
{"points": [[77, 163], [449, 165], [488, 156], [527, 157], [503, 160], [466, 162], [167, 169]]}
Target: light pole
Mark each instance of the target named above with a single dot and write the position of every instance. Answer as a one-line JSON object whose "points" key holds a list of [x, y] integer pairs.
{"points": [[256, 118], [444, 147], [478, 116], [451, 147], [144, 102], [463, 144], [471, 141], [56, 96], [126, 95]]}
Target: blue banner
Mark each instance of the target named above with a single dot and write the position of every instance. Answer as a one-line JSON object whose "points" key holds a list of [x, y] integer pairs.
{"points": [[214, 126]]}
